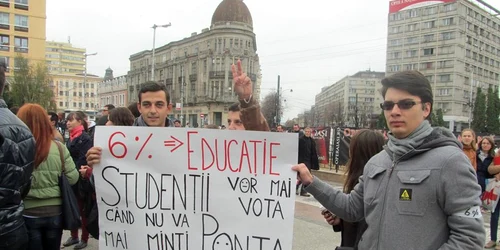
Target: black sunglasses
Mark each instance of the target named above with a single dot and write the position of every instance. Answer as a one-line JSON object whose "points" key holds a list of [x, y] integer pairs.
{"points": [[403, 104]]}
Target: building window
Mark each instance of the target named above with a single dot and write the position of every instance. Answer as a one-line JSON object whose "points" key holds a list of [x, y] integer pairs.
{"points": [[396, 29], [4, 41], [412, 27], [429, 25], [448, 21], [444, 92], [412, 40], [395, 42], [21, 23], [428, 38], [21, 4], [412, 66], [428, 52], [427, 65], [413, 13], [445, 78], [411, 53], [4, 20], [447, 35], [445, 64], [21, 44], [449, 7]]}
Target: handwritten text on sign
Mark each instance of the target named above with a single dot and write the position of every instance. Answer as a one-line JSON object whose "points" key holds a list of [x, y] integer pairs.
{"points": [[173, 188]]}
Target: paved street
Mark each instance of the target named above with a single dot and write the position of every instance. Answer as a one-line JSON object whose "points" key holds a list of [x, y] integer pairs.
{"points": [[310, 230]]}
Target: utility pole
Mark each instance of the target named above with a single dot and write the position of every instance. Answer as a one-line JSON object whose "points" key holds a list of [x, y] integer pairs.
{"points": [[278, 103]]}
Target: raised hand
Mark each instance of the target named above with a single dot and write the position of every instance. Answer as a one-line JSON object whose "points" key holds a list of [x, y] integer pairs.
{"points": [[242, 83]]}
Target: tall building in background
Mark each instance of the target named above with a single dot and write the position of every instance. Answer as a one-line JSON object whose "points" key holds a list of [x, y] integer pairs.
{"points": [[353, 101], [197, 70], [66, 65], [63, 58], [22, 30], [454, 43]]}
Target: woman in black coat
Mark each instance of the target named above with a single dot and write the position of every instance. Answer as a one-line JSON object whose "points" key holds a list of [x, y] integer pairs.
{"points": [[78, 144], [485, 155]]}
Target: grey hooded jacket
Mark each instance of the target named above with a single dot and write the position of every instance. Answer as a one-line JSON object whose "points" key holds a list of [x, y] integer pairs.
{"points": [[427, 199]]}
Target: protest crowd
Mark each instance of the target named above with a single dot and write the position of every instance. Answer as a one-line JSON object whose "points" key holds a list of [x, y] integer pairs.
{"points": [[420, 181]]}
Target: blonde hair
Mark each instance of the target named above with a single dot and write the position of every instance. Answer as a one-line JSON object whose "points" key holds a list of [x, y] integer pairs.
{"points": [[473, 143]]}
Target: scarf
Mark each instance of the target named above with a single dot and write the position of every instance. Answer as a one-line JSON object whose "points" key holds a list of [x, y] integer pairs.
{"points": [[399, 147], [482, 155], [75, 132]]}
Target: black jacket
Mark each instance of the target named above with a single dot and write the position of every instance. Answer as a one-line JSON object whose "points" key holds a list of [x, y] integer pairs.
{"points": [[17, 153], [78, 148], [482, 166], [307, 152]]}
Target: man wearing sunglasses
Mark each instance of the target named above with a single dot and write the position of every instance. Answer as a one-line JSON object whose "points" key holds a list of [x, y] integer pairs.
{"points": [[420, 192]]}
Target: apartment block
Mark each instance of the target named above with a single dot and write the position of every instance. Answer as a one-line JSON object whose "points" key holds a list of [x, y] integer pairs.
{"points": [[353, 100], [454, 43], [63, 58], [22, 31]]}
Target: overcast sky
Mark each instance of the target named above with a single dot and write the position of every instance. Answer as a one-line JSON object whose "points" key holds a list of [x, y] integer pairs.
{"points": [[311, 44]]}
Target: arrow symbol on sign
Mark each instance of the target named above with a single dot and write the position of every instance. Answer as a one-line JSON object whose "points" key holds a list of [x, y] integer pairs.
{"points": [[172, 143]]}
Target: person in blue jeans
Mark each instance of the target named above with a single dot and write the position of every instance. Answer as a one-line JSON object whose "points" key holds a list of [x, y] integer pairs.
{"points": [[43, 211]]}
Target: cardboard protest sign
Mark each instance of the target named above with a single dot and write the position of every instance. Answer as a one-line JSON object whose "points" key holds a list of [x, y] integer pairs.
{"points": [[196, 189]]}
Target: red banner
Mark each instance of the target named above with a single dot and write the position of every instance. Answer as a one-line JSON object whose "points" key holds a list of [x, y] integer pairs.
{"points": [[322, 138], [398, 5]]}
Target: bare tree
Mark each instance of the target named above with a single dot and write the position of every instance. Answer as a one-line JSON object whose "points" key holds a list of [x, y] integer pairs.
{"points": [[270, 106]]}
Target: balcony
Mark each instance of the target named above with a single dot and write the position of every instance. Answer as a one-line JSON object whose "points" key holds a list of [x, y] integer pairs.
{"points": [[21, 6], [21, 28], [21, 49]]}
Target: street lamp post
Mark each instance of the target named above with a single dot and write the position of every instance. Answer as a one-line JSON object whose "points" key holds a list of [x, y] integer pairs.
{"points": [[154, 40], [85, 77], [278, 102]]}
